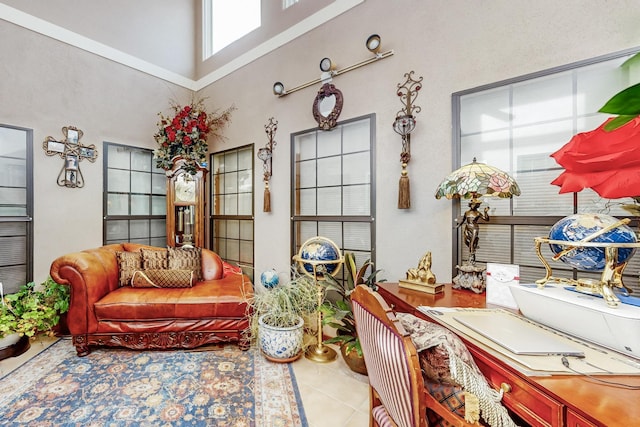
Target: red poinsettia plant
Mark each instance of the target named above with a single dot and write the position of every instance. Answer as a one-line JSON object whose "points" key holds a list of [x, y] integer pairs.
{"points": [[185, 134]]}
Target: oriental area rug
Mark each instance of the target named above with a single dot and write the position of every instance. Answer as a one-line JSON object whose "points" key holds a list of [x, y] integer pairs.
{"points": [[221, 386]]}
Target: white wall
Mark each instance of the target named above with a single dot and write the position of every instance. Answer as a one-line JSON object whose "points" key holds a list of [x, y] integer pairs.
{"points": [[153, 30], [454, 45], [46, 85]]}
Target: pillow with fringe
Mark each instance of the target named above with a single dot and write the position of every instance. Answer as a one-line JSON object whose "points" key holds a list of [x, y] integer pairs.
{"points": [[448, 349], [434, 344]]}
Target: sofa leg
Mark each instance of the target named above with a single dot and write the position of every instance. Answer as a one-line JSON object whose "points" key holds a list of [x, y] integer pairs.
{"points": [[244, 344], [82, 349]]}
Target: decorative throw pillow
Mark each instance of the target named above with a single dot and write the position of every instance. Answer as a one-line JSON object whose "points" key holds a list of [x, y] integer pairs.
{"points": [[438, 347], [452, 396], [162, 278], [435, 344], [186, 259], [128, 263], [154, 259]]}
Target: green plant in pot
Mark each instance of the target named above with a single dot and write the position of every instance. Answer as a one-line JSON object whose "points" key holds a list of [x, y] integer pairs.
{"points": [[339, 314], [33, 309], [277, 317]]}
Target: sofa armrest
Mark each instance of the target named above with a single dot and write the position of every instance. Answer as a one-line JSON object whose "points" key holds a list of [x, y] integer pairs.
{"points": [[90, 280], [212, 266]]}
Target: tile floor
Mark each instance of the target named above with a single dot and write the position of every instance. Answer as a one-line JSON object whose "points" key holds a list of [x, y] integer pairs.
{"points": [[332, 395]]}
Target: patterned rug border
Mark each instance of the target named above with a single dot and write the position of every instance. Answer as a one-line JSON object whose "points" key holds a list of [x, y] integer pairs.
{"points": [[269, 380]]}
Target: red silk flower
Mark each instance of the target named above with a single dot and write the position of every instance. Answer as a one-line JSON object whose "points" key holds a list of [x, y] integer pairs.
{"points": [[606, 161]]}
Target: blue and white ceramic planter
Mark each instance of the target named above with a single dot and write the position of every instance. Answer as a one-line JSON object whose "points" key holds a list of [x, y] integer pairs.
{"points": [[281, 344]]}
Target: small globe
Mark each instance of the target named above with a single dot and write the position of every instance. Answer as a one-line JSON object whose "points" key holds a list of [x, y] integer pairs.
{"points": [[323, 250], [269, 279], [579, 226]]}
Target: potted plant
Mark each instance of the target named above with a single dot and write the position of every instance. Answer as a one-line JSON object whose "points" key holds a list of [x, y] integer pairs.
{"points": [[33, 309], [339, 314], [277, 318]]}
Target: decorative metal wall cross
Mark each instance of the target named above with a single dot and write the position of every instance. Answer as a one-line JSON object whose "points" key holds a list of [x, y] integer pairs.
{"points": [[72, 152]]}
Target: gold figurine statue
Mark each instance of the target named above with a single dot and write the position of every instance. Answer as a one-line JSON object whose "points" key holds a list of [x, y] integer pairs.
{"points": [[422, 278], [423, 272]]}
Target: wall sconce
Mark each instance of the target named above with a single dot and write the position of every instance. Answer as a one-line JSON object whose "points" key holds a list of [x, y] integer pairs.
{"points": [[266, 154], [404, 124], [327, 67]]}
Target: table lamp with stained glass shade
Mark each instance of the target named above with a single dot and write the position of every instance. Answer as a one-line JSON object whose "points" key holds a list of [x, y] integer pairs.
{"points": [[473, 181]]}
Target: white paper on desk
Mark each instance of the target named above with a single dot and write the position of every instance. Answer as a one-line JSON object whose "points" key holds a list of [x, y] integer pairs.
{"points": [[499, 278]]}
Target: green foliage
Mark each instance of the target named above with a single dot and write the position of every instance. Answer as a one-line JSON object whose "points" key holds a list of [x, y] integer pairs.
{"points": [[284, 304], [626, 103], [339, 315], [33, 310]]}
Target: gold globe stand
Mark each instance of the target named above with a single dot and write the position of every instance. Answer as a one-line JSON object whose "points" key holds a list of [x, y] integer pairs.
{"points": [[319, 352], [611, 275]]}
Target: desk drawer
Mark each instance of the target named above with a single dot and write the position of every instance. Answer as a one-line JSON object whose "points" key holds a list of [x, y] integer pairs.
{"points": [[521, 397], [577, 420]]}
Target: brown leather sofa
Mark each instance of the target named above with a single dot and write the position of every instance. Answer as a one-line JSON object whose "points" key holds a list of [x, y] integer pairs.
{"points": [[103, 313]]}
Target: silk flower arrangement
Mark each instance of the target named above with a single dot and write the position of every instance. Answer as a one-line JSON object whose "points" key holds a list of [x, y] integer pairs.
{"points": [[185, 134]]}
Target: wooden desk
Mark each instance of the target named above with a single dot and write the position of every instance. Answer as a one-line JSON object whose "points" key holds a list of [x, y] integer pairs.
{"points": [[559, 400]]}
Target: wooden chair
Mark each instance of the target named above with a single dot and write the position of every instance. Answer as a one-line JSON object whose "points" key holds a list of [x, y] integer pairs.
{"points": [[397, 394]]}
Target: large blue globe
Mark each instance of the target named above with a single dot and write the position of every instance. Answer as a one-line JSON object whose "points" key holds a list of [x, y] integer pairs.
{"points": [[579, 226], [320, 249]]}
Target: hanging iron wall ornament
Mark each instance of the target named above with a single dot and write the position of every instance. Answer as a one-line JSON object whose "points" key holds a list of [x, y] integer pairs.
{"points": [[72, 152], [404, 124], [266, 154]]}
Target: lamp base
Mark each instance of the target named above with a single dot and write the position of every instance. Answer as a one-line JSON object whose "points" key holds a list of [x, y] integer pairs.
{"points": [[471, 277], [321, 353]]}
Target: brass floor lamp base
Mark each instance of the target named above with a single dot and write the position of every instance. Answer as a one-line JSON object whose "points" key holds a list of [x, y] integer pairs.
{"points": [[321, 353]]}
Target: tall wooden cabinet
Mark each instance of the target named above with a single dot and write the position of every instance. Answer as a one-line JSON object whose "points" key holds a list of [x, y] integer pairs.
{"points": [[186, 200]]}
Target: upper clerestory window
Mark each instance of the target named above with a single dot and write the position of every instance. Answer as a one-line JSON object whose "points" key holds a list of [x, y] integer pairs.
{"points": [[226, 21]]}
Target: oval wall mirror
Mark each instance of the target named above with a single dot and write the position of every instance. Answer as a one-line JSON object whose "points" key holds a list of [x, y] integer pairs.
{"points": [[327, 106]]}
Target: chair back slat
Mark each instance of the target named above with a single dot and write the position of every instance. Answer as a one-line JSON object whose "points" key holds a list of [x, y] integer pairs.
{"points": [[390, 357]]}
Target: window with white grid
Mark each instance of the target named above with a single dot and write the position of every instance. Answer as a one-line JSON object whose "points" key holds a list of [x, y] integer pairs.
{"points": [[515, 125]]}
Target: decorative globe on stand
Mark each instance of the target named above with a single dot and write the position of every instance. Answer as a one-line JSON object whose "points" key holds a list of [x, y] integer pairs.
{"points": [[591, 242], [321, 252], [581, 226], [269, 279], [317, 257]]}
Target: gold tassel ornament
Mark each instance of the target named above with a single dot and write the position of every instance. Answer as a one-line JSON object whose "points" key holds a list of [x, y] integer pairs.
{"points": [[404, 189], [267, 199]]}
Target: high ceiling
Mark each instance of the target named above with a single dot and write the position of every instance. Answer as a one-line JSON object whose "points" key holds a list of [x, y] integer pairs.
{"points": [[169, 47]]}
